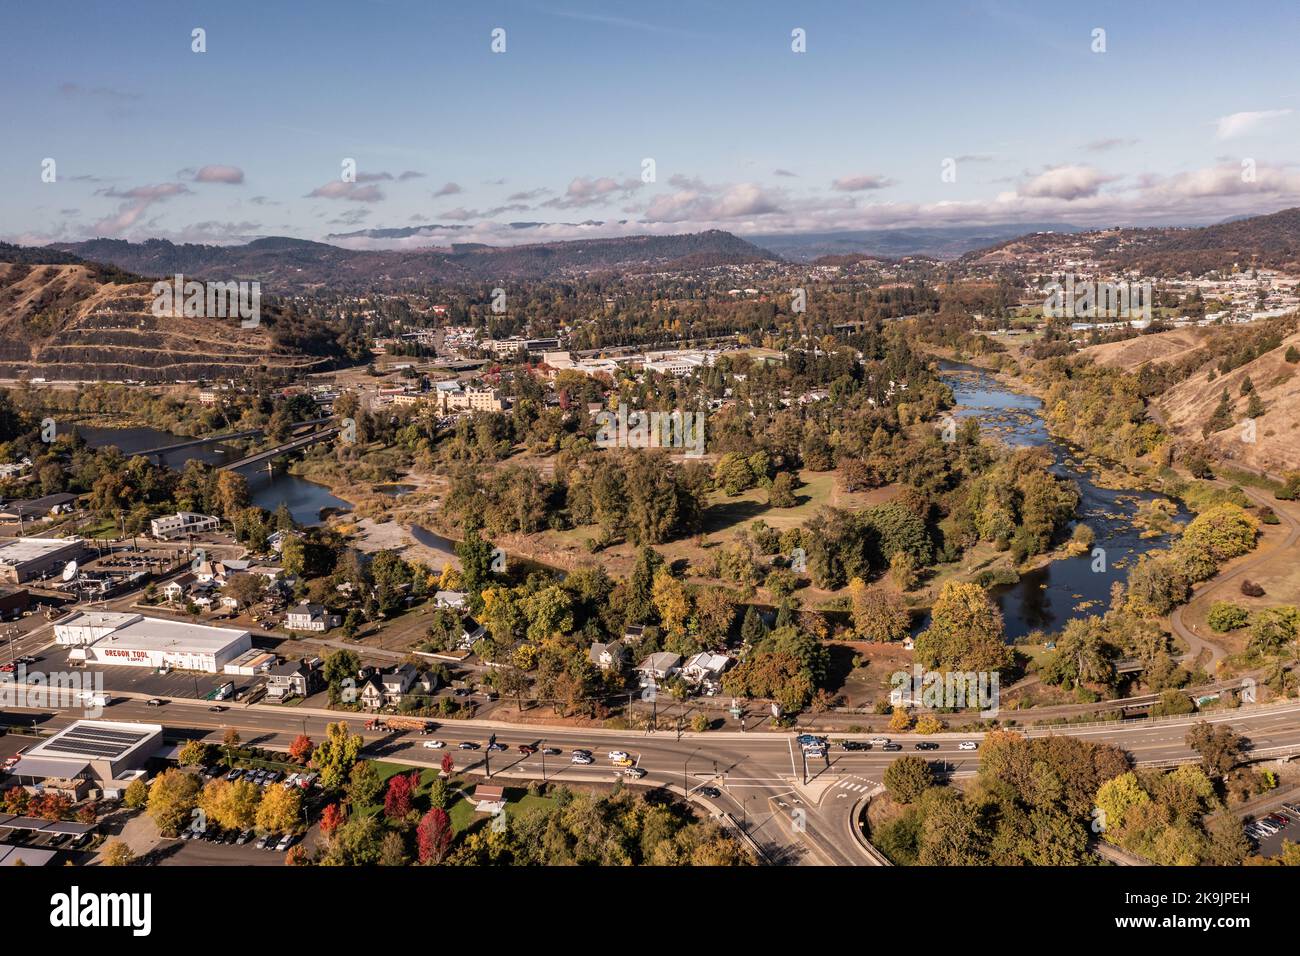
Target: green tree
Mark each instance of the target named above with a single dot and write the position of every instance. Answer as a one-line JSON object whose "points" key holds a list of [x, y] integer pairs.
{"points": [[908, 777], [336, 755]]}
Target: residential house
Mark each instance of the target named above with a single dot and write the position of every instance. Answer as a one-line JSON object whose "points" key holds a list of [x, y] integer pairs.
{"points": [[452, 599], [311, 617], [391, 688], [175, 590], [470, 631], [705, 668], [609, 656], [295, 679], [659, 666]]}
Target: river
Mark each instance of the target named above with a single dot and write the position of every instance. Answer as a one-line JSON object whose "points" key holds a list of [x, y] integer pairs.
{"points": [[1044, 599], [304, 498]]}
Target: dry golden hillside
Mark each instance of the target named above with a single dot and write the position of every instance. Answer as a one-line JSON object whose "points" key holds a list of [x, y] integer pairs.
{"points": [[64, 322], [1276, 448], [1136, 352]]}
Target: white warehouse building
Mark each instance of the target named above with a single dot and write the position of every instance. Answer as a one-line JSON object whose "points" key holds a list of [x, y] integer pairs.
{"points": [[133, 640]]}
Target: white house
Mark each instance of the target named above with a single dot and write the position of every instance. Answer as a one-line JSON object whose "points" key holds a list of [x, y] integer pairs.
{"points": [[452, 599], [705, 667], [608, 656], [310, 617], [658, 666]]}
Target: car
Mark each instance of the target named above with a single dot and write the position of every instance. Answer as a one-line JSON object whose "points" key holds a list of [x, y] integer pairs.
{"points": [[891, 748], [263, 841], [636, 773], [1279, 819], [926, 745], [617, 755], [26, 659], [551, 751], [234, 775], [624, 762], [433, 744], [1292, 807], [243, 837], [274, 776], [154, 702], [468, 745], [813, 753], [286, 841], [216, 709], [709, 791], [879, 741], [8, 667], [230, 837], [968, 745], [854, 745], [496, 746], [527, 749], [461, 692], [581, 759], [581, 750]]}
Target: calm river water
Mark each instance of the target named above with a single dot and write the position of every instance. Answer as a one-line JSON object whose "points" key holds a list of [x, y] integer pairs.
{"points": [[1048, 597]]}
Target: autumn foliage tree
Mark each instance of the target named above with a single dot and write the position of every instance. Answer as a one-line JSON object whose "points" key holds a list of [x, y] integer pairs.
{"points": [[400, 795], [331, 819], [301, 748], [433, 836]]}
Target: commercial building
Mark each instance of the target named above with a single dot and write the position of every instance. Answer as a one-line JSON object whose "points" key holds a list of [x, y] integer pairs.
{"points": [[98, 752], [133, 640], [181, 524], [22, 559], [60, 503]]}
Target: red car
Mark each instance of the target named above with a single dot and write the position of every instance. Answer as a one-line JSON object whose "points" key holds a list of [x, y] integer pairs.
{"points": [[527, 749]]}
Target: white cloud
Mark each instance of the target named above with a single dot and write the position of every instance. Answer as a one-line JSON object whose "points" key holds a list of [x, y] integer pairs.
{"points": [[855, 184], [1065, 182], [231, 175], [1241, 124]]}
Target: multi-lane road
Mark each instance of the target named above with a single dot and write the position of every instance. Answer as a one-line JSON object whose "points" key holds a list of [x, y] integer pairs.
{"points": [[759, 776]]}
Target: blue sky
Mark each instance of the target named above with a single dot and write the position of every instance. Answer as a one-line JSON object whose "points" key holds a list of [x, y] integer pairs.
{"points": [[248, 138]]}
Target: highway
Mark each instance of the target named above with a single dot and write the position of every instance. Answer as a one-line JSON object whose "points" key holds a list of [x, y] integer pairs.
{"points": [[759, 775]]}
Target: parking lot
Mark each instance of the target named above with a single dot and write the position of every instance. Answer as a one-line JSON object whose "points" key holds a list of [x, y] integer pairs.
{"points": [[1270, 844]]}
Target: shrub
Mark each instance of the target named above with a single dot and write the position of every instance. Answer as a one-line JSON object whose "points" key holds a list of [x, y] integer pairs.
{"points": [[1225, 616], [1250, 588]]}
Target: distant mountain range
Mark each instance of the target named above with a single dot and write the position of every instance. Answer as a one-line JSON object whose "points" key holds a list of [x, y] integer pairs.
{"points": [[946, 242], [294, 265]]}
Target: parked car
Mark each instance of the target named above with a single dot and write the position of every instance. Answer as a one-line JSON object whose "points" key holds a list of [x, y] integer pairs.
{"points": [[243, 837], [234, 774], [286, 841], [263, 841], [433, 744]]}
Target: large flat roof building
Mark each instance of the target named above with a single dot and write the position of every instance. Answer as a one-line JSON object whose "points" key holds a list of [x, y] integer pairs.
{"points": [[22, 559], [109, 637], [95, 750]]}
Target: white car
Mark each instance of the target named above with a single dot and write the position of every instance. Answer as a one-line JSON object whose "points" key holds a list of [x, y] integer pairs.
{"points": [[581, 759], [617, 755], [879, 741], [433, 745], [968, 745]]}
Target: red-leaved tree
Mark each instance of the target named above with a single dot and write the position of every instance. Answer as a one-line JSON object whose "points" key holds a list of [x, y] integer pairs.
{"points": [[433, 836], [301, 748], [447, 764], [401, 793], [331, 819]]}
